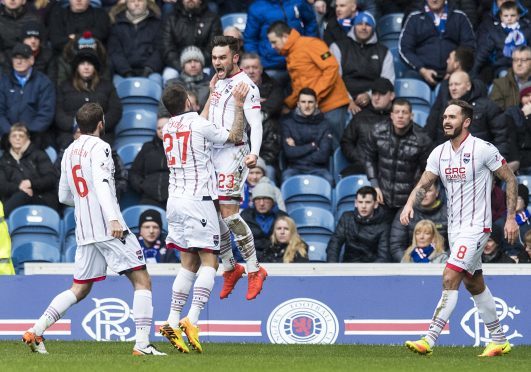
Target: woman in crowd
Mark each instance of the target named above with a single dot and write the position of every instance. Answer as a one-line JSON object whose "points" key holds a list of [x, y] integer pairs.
{"points": [[427, 245], [286, 244]]}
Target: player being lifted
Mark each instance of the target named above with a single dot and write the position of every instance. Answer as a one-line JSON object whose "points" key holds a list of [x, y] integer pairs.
{"points": [[103, 239], [465, 165], [192, 218], [232, 162]]}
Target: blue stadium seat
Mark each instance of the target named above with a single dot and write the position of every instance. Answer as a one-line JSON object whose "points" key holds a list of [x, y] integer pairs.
{"points": [[345, 192], [339, 163], [420, 116], [137, 122], [401, 68], [70, 253], [69, 231], [306, 190], [128, 153], [390, 43], [317, 249], [237, 20], [313, 221], [389, 26], [139, 91], [52, 154], [132, 214], [137, 140], [34, 223], [35, 252], [416, 91], [129, 198]]}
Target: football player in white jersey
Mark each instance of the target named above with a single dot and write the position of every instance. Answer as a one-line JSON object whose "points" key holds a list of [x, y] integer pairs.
{"points": [[103, 239], [193, 226], [465, 165], [232, 163]]}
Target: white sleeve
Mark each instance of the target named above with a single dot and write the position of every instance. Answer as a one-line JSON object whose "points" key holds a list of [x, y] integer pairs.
{"points": [[492, 157], [212, 132], [65, 194], [388, 67], [102, 165], [432, 165], [251, 111], [334, 49]]}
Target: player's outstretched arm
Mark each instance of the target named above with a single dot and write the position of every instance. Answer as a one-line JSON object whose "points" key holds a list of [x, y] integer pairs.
{"points": [[239, 93], [426, 180], [511, 190]]}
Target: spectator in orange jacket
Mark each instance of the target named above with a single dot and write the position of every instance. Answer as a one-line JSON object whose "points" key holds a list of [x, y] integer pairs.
{"points": [[310, 64]]}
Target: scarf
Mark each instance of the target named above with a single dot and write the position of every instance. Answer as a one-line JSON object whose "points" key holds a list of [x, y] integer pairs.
{"points": [[152, 254], [421, 255], [187, 79], [438, 21], [22, 79], [514, 38], [346, 23], [522, 218], [18, 155], [136, 19]]}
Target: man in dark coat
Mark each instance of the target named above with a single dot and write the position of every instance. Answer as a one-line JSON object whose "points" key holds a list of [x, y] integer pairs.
{"points": [[519, 124], [493, 252], [149, 175], [364, 232], [261, 216]]}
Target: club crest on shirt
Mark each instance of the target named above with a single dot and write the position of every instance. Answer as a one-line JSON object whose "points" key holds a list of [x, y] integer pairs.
{"points": [[215, 239], [203, 221], [466, 157], [107, 152]]}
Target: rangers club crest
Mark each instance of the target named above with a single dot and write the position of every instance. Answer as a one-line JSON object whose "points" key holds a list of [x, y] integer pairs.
{"points": [[466, 157]]}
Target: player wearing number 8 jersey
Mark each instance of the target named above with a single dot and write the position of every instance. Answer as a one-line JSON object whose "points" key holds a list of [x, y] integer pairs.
{"points": [[232, 163], [87, 182], [192, 218], [465, 165]]}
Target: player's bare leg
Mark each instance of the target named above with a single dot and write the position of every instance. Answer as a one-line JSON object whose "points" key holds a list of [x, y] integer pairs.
{"points": [[142, 312], [33, 337], [451, 281], [487, 310], [245, 242]]}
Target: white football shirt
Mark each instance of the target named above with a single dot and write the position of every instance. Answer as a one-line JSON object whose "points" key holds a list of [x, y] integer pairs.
{"points": [[222, 108], [87, 178], [188, 140], [467, 176]]}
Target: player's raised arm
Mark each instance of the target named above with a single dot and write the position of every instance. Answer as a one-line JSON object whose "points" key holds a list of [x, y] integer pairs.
{"points": [[212, 85], [511, 190], [426, 180], [239, 93], [253, 115]]}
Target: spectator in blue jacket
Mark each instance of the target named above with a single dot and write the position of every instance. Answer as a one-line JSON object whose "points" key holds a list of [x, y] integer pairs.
{"points": [[298, 14], [429, 35], [306, 139], [134, 40], [26, 96]]}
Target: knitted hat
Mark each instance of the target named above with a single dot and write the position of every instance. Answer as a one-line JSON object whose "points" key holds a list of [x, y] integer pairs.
{"points": [[86, 55], [22, 50], [86, 41], [30, 29], [264, 190], [150, 215], [192, 52], [365, 17], [382, 86], [523, 192], [260, 163], [525, 89]]}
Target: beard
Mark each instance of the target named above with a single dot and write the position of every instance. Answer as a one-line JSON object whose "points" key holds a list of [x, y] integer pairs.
{"points": [[455, 134]]}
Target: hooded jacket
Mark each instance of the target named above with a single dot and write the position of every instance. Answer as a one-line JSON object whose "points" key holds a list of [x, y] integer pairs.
{"points": [[261, 238], [310, 64], [505, 91], [366, 239], [306, 130], [261, 14]]}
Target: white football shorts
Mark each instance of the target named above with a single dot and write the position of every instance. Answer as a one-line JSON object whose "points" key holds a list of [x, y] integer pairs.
{"points": [[231, 172], [465, 251]]}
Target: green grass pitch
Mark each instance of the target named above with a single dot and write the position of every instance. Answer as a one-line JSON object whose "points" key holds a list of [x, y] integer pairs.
{"points": [[116, 356]]}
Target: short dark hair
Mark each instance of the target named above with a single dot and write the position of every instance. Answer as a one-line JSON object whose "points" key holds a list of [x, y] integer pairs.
{"points": [[402, 102], [466, 109], [465, 57], [231, 42], [366, 190], [88, 117], [521, 49], [509, 5], [174, 98], [308, 92], [279, 28]]}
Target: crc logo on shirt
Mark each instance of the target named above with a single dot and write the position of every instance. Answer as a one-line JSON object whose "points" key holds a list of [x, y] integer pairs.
{"points": [[475, 328], [110, 320], [455, 174], [302, 321]]}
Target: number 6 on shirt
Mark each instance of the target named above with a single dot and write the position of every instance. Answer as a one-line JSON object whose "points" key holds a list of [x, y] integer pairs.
{"points": [[168, 141]]}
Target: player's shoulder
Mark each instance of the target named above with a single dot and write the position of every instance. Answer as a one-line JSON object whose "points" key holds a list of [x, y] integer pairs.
{"points": [[482, 146]]}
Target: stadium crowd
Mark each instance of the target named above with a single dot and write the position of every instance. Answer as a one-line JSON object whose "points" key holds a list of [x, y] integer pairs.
{"points": [[333, 78]]}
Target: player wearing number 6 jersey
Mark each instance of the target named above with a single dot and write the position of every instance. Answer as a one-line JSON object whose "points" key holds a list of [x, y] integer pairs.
{"points": [[465, 165], [103, 239], [232, 163], [193, 226]]}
